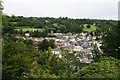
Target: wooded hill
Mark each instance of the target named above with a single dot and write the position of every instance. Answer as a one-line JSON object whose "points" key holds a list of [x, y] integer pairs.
{"points": [[61, 24]]}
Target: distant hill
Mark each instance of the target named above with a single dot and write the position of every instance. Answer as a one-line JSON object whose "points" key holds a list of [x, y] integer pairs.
{"points": [[59, 25]]}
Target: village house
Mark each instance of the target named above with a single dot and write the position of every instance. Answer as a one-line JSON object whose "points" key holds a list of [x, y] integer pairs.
{"points": [[72, 42]]}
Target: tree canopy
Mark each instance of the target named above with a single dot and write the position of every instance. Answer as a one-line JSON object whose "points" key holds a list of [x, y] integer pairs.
{"points": [[107, 67]]}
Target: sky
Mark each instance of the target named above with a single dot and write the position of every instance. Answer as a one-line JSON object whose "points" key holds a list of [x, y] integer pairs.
{"points": [[93, 9]]}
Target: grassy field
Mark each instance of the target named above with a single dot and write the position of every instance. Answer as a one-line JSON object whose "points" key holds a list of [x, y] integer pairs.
{"points": [[28, 29], [92, 28]]}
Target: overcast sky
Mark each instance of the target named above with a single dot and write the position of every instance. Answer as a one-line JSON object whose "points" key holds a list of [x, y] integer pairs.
{"points": [[93, 9]]}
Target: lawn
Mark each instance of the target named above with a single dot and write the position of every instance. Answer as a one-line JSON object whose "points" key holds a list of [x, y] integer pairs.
{"points": [[92, 28], [28, 29]]}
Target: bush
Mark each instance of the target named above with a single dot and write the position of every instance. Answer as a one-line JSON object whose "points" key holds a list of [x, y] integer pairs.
{"points": [[88, 26]]}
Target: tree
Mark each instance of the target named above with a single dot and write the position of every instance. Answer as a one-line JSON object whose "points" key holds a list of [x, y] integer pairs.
{"points": [[15, 67], [88, 26], [106, 67], [28, 42], [62, 28], [14, 60], [19, 64], [43, 45], [8, 30], [5, 21], [111, 41], [51, 43], [96, 53]]}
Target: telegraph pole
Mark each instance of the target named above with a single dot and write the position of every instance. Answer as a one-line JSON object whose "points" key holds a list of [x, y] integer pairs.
{"points": [[1, 8]]}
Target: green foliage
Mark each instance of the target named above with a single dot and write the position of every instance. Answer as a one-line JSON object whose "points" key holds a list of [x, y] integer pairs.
{"points": [[111, 41], [96, 53], [20, 47], [107, 67], [8, 30], [45, 44], [20, 63], [28, 42], [15, 67], [5, 21], [88, 26], [51, 43], [62, 28]]}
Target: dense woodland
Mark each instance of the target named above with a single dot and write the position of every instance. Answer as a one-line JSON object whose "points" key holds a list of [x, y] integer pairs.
{"points": [[21, 60]]}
